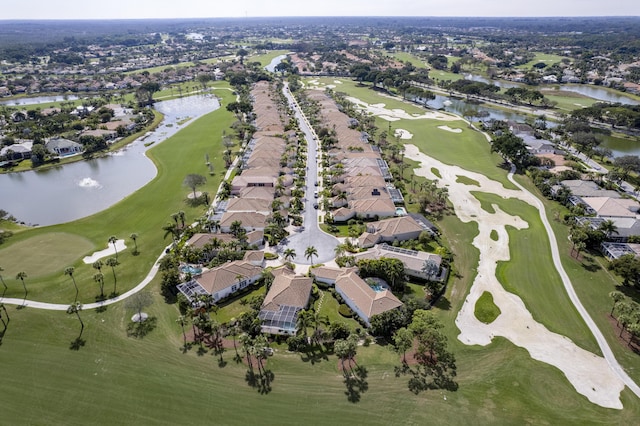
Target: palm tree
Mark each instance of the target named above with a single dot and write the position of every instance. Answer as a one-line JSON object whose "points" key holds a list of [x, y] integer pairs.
{"points": [[98, 265], [69, 271], [3, 283], [267, 277], [171, 229], [305, 320], [134, 237], [617, 297], [289, 254], [75, 308], [181, 215], [99, 278], [21, 276], [608, 227], [113, 263], [182, 320], [310, 252], [113, 240], [247, 346]]}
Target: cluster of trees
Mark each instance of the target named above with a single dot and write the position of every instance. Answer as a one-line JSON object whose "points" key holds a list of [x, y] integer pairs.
{"points": [[616, 115], [390, 270], [628, 267], [627, 314], [513, 149]]}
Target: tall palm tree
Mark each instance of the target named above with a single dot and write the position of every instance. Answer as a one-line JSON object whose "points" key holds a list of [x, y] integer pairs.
{"points": [[305, 320], [21, 276], [112, 262], [75, 308], [69, 271], [3, 283], [246, 343], [182, 320], [289, 254], [134, 237], [608, 227], [113, 240], [181, 215], [310, 252], [99, 278], [98, 265]]}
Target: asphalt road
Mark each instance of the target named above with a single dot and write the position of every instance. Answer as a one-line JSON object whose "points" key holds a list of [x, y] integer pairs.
{"points": [[310, 234]]}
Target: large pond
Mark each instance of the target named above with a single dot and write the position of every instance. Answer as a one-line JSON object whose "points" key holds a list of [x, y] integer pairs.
{"points": [[461, 107], [39, 100], [274, 63], [599, 94], [76, 190]]}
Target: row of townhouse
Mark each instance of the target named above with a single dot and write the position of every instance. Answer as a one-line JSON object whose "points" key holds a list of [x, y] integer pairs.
{"points": [[361, 181]]}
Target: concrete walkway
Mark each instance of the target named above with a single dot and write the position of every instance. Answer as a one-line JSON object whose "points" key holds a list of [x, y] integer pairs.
{"points": [[602, 342], [63, 307]]}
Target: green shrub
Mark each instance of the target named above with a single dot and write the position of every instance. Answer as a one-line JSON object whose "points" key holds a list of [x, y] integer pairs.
{"points": [[270, 256], [345, 311]]}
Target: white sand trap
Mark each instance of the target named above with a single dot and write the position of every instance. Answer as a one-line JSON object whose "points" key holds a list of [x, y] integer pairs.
{"points": [[449, 129], [337, 81], [331, 86], [381, 111], [403, 134], [109, 251], [588, 373]]}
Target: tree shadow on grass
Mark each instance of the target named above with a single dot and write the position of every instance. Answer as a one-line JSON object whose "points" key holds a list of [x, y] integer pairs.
{"points": [[261, 381], [355, 379], [316, 353], [425, 377], [77, 343], [141, 329], [443, 303]]}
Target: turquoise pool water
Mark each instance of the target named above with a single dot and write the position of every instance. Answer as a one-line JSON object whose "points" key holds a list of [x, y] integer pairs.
{"points": [[188, 269]]}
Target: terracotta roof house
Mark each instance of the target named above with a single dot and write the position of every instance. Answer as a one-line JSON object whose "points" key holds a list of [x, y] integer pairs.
{"points": [[249, 205], [258, 192], [388, 230], [256, 257], [364, 300], [613, 207], [373, 207], [413, 261], [327, 274], [222, 281], [251, 221], [288, 295]]}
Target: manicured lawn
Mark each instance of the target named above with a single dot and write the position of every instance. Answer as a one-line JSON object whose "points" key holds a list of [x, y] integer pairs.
{"points": [[485, 310], [329, 308], [234, 308], [45, 254], [568, 101], [266, 58], [408, 57], [546, 58], [146, 212]]}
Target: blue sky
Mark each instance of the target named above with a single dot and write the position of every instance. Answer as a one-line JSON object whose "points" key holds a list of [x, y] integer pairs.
{"points": [[136, 9]]}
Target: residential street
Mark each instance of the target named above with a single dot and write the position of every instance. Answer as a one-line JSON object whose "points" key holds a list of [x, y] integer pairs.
{"points": [[310, 234]]}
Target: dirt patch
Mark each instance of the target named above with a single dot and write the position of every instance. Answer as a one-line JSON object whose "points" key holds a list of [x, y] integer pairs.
{"points": [[449, 129]]}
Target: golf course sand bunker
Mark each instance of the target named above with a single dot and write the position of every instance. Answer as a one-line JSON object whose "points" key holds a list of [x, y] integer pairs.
{"points": [[381, 111], [402, 134], [109, 251], [589, 374], [449, 129]]}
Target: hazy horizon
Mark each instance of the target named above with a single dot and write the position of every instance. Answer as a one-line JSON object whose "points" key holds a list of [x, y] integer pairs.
{"points": [[204, 9]]}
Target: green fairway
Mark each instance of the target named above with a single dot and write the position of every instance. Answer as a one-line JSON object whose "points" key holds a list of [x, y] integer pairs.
{"points": [[266, 58], [568, 101], [546, 58], [44, 253], [408, 57], [485, 310], [146, 212], [530, 274]]}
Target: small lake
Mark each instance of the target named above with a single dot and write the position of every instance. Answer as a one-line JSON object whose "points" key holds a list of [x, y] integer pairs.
{"points": [[274, 63], [621, 147], [39, 100], [500, 83], [599, 93], [77, 190], [459, 106]]}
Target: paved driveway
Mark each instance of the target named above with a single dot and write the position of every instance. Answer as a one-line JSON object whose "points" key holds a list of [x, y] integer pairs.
{"points": [[311, 234]]}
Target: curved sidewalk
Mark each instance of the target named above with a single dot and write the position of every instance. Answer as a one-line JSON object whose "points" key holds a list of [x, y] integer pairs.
{"points": [[62, 307], [600, 339]]}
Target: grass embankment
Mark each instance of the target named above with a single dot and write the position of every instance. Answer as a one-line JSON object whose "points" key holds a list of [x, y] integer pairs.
{"points": [[143, 213]]}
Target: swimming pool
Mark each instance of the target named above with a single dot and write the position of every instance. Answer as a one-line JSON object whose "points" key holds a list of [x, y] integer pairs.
{"points": [[188, 269], [377, 288], [400, 211]]}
